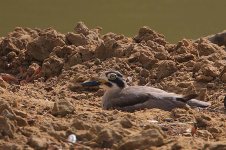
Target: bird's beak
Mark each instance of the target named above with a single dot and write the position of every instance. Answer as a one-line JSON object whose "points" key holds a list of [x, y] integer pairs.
{"points": [[92, 83]]}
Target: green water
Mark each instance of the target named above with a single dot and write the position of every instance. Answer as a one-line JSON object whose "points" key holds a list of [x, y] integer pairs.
{"points": [[176, 19]]}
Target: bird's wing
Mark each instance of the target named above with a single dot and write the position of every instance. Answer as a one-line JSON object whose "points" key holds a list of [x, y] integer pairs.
{"points": [[141, 101], [139, 97], [124, 100], [139, 94]]}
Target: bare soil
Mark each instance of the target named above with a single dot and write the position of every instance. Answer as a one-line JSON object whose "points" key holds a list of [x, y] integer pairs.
{"points": [[42, 102]]}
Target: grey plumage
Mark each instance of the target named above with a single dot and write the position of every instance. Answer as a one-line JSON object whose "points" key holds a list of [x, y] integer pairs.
{"points": [[140, 97], [130, 98]]}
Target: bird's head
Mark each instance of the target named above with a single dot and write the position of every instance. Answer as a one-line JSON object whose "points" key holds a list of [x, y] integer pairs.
{"points": [[108, 80]]}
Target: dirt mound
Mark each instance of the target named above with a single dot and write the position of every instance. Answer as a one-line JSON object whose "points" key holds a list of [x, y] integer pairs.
{"points": [[41, 101]]}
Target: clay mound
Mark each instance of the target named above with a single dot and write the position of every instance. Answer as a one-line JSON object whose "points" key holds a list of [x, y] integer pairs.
{"points": [[41, 102]]}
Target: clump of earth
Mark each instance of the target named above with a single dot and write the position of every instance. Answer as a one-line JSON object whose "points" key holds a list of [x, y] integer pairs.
{"points": [[42, 102]]}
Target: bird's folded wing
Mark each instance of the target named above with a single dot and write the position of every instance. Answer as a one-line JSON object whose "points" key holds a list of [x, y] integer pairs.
{"points": [[131, 99]]}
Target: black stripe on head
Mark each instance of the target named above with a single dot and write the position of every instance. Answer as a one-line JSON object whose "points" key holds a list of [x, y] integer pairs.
{"points": [[120, 83], [108, 84]]}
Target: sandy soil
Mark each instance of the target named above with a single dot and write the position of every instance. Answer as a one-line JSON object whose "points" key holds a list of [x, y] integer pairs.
{"points": [[42, 102]]}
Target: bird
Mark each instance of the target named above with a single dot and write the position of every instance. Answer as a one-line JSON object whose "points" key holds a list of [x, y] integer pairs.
{"points": [[119, 95]]}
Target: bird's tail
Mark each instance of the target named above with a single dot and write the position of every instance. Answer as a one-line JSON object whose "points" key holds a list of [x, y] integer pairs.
{"points": [[198, 103], [189, 99]]}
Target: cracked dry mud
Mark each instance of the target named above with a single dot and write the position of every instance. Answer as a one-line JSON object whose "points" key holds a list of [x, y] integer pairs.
{"points": [[43, 111]]}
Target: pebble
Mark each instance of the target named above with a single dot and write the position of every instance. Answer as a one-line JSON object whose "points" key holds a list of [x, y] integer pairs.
{"points": [[168, 119], [72, 138], [152, 121]]}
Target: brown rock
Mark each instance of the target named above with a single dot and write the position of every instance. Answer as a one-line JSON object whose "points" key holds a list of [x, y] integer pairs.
{"points": [[220, 145], [52, 66], [43, 45], [37, 142], [204, 134], [62, 107], [147, 59], [74, 59], [108, 137], [80, 125], [10, 146], [166, 68], [84, 135], [20, 121], [204, 78], [3, 84], [81, 28], [223, 77], [32, 69], [144, 73], [184, 57], [203, 121], [205, 48], [146, 34], [106, 49], [64, 51], [126, 123], [76, 39], [6, 127], [143, 140], [210, 71]]}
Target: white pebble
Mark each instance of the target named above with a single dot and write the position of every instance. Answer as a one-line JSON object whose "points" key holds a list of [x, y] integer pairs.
{"points": [[72, 138], [152, 121]]}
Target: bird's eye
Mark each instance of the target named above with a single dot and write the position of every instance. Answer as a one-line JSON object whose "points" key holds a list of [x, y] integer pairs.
{"points": [[112, 76]]}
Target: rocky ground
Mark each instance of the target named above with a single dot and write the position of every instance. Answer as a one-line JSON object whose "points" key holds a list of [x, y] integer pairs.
{"points": [[42, 102]]}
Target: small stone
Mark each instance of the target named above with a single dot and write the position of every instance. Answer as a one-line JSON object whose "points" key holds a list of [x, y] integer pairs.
{"points": [[204, 134], [97, 61], [210, 85], [37, 143], [81, 96], [80, 125], [185, 84], [221, 145], [72, 138], [107, 137], [166, 68], [3, 84], [62, 107], [203, 121], [215, 130], [223, 78], [144, 73], [52, 66], [76, 39], [126, 123], [10, 146], [204, 78]]}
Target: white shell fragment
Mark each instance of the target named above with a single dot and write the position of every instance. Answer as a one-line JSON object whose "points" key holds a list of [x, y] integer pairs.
{"points": [[72, 138]]}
